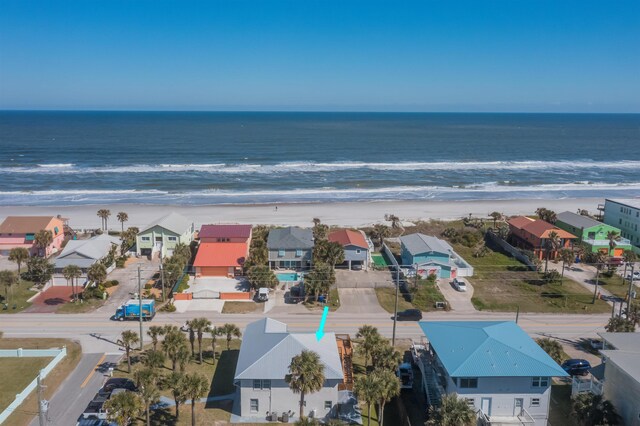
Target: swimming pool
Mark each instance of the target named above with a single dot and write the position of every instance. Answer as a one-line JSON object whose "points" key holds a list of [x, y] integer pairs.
{"points": [[288, 276]]}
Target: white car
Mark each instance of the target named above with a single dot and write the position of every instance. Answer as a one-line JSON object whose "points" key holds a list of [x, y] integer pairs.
{"points": [[459, 285]]}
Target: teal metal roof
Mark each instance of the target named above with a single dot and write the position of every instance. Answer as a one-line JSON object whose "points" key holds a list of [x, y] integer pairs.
{"points": [[488, 349]]}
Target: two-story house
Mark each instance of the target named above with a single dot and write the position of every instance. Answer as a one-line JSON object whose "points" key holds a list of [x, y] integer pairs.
{"points": [[593, 234], [222, 251], [263, 363], [20, 231], [290, 248], [356, 248], [624, 214], [432, 256], [532, 234], [162, 235], [494, 366]]}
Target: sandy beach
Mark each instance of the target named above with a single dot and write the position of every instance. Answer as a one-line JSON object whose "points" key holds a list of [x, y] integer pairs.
{"points": [[346, 214]]}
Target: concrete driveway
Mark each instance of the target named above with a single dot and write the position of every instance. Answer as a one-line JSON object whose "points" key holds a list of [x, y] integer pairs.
{"points": [[359, 301], [459, 301], [363, 279]]}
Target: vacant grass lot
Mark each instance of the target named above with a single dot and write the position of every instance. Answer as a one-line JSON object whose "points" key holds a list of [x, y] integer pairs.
{"points": [[502, 283], [16, 374], [239, 307], [333, 303], [88, 305], [424, 297], [17, 296], [29, 407], [615, 286]]}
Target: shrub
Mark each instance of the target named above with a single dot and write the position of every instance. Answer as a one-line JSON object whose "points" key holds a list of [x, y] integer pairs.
{"points": [[121, 261], [169, 307], [148, 286]]}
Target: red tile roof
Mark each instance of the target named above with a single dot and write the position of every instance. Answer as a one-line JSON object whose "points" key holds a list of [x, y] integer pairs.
{"points": [[221, 254], [539, 228], [520, 221], [225, 231], [348, 237], [26, 224]]}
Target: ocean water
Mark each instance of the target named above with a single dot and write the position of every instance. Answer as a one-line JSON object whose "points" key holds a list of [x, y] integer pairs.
{"points": [[67, 158]]}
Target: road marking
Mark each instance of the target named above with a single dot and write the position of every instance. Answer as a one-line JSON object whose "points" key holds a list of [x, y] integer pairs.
{"points": [[93, 371]]}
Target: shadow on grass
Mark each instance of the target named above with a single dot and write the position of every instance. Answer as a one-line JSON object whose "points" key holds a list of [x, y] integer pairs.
{"points": [[222, 382]]}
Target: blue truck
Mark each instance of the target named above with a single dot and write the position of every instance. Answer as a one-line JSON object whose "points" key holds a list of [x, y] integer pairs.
{"points": [[131, 310]]}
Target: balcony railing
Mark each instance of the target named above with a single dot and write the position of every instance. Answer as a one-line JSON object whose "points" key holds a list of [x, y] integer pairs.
{"points": [[620, 242], [581, 385], [523, 419]]}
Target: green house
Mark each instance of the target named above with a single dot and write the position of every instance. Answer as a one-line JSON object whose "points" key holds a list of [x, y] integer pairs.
{"points": [[592, 233], [162, 235]]}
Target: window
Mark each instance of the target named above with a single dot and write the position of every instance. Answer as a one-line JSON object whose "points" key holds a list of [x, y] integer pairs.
{"points": [[468, 382], [357, 251], [146, 238], [266, 384], [56, 230], [254, 406], [298, 253], [535, 402], [328, 405], [539, 382], [620, 221], [280, 253], [30, 237], [261, 384], [172, 238], [257, 385], [471, 402]]}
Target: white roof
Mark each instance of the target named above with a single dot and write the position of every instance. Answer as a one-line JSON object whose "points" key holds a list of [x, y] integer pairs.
{"points": [[173, 222], [267, 349], [92, 249]]}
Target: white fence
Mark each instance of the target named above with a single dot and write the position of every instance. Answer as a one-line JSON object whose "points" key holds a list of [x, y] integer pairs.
{"points": [[57, 354]]}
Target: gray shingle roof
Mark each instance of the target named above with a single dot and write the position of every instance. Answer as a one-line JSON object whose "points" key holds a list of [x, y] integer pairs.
{"points": [[267, 349], [577, 220], [290, 238], [173, 222], [84, 253], [420, 243]]}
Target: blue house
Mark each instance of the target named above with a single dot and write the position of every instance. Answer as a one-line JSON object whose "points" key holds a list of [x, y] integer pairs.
{"points": [[493, 365], [432, 255]]}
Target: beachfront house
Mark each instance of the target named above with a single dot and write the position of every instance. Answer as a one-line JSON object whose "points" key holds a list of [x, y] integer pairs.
{"points": [[592, 233], [222, 251], [290, 248], [432, 256], [20, 231], [356, 248], [493, 365], [265, 355], [625, 214], [532, 234], [84, 253], [162, 235]]}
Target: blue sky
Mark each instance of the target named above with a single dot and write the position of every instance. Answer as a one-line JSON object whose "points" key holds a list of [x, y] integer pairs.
{"points": [[347, 55]]}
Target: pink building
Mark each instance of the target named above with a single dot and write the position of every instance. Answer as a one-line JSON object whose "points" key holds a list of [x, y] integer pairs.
{"points": [[20, 231]]}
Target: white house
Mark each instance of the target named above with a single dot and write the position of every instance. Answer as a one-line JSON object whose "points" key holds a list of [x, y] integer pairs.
{"points": [[265, 355], [495, 366], [84, 253]]}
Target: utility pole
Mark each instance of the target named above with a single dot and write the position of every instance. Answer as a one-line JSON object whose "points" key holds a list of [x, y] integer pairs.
{"points": [[41, 404], [162, 281], [395, 309], [630, 290], [517, 313], [595, 290], [140, 304]]}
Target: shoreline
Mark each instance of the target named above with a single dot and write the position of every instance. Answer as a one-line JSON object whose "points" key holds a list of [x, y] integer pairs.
{"points": [[353, 214]]}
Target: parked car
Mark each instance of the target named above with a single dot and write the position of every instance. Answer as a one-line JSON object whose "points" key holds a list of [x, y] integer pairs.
{"points": [[296, 294], [596, 344], [576, 367], [117, 383], [459, 284], [405, 374], [263, 294], [409, 315]]}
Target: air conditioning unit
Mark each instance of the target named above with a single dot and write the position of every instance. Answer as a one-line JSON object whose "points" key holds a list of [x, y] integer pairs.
{"points": [[312, 414]]}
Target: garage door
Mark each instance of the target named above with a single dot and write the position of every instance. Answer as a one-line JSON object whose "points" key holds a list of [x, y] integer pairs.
{"points": [[214, 271], [618, 252]]}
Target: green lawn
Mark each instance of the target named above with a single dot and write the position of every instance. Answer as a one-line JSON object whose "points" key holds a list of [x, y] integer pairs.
{"points": [[334, 302], [88, 305], [16, 374], [18, 296], [502, 283], [231, 307], [387, 298], [615, 286], [424, 297]]}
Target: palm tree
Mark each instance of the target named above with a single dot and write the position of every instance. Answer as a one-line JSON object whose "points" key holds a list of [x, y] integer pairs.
{"points": [[196, 386], [123, 408], [122, 218], [368, 389], [629, 256], [370, 338], [334, 254], [592, 410], [384, 356], [42, 239], [183, 357], [149, 392], [97, 273], [552, 348], [182, 251], [389, 387], [567, 256], [200, 325], [127, 340], [104, 215], [176, 382], [154, 332], [192, 338], [215, 332], [8, 279], [153, 359], [613, 237], [496, 216], [600, 259], [172, 346], [231, 331], [379, 232], [551, 244], [306, 375], [452, 412], [396, 223], [72, 272], [18, 255]]}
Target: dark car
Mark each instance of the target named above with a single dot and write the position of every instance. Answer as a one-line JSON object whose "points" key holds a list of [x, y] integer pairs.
{"points": [[117, 383], [576, 367], [409, 315]]}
